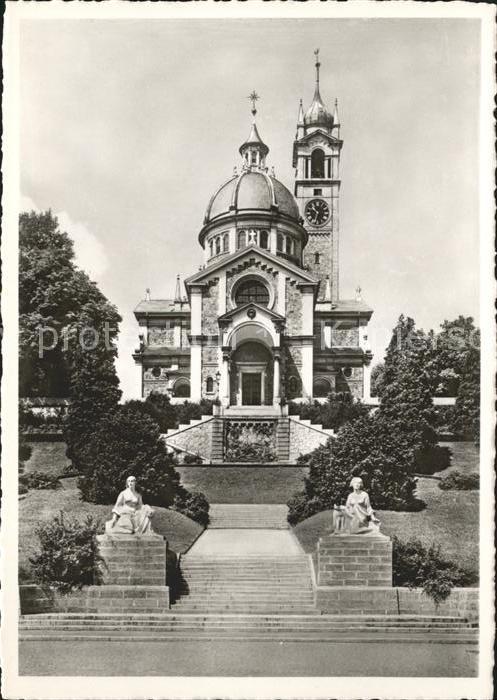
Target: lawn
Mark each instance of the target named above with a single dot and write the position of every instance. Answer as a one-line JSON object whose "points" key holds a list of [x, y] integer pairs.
{"points": [[247, 484], [39, 505], [451, 518], [48, 457]]}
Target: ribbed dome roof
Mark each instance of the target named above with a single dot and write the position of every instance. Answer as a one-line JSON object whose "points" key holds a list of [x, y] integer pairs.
{"points": [[252, 190]]}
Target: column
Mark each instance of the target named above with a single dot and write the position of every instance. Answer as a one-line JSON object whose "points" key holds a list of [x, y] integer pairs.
{"points": [[366, 392], [196, 347], [276, 380], [281, 304], [225, 379], [138, 393], [307, 361]]}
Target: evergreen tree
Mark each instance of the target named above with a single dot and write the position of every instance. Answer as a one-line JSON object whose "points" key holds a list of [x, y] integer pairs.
{"points": [[467, 408]]}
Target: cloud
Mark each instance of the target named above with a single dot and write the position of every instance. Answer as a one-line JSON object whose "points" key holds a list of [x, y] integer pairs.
{"points": [[89, 251]]}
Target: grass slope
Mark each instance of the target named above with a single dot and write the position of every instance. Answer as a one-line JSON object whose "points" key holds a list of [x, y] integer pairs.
{"points": [[451, 518], [39, 505], [47, 457], [247, 484]]}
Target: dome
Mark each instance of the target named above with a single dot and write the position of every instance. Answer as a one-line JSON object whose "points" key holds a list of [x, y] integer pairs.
{"points": [[252, 190], [317, 114]]}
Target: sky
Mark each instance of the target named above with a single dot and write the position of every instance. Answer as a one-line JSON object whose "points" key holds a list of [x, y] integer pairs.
{"points": [[129, 126]]}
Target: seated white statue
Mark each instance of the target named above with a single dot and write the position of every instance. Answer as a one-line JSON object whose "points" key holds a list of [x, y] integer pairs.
{"points": [[357, 516], [130, 516]]}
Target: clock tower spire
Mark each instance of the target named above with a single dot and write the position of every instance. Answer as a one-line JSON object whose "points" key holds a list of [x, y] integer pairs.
{"points": [[316, 159]]}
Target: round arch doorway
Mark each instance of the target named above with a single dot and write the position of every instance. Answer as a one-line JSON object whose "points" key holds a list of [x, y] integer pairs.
{"points": [[251, 375]]}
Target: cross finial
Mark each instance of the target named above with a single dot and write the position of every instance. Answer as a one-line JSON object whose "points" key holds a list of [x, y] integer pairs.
{"points": [[253, 97], [316, 53]]}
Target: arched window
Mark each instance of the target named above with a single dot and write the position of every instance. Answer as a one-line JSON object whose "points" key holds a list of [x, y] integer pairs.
{"points": [[242, 239], [209, 385], [211, 248], [321, 388], [263, 239], [288, 245], [156, 372], [252, 291], [317, 257], [280, 242], [226, 243], [317, 163], [218, 245], [182, 388]]}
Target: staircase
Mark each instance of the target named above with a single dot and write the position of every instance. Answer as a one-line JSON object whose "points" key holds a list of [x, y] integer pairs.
{"points": [[238, 516], [169, 626], [250, 585]]}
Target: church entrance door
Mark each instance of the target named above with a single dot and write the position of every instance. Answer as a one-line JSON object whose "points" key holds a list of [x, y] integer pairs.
{"points": [[251, 388]]}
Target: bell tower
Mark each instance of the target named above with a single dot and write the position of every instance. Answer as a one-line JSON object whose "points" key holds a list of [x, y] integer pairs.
{"points": [[316, 159]]}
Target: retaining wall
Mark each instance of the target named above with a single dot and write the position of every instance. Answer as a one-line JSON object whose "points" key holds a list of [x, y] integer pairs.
{"points": [[335, 600]]}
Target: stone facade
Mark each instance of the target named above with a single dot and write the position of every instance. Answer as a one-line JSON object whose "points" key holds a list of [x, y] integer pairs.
{"points": [[293, 312], [355, 560], [193, 439], [345, 337], [336, 600], [161, 336], [210, 310], [305, 438]]}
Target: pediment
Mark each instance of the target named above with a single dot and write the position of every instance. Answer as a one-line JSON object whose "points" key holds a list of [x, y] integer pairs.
{"points": [[251, 256], [318, 137], [246, 309]]}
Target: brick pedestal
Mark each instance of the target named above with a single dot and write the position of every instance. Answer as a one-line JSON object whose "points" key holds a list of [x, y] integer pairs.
{"points": [[355, 560], [130, 560], [134, 573]]}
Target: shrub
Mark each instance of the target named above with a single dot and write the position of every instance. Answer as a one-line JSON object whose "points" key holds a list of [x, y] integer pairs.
{"points": [[432, 459], [369, 447], [39, 480], [338, 409], [22, 489], [417, 566], [127, 442], [69, 555], [460, 481], [192, 459], [192, 504]]}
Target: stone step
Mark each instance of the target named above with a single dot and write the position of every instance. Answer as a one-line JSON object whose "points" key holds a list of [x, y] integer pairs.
{"points": [[246, 608], [247, 629]]}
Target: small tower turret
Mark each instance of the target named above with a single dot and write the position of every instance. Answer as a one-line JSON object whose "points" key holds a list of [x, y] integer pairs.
{"points": [[254, 150]]}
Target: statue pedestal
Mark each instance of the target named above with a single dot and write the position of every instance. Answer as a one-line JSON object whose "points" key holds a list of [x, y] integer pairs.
{"points": [[355, 560], [134, 574]]}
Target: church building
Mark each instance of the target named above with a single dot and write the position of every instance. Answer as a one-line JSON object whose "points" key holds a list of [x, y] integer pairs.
{"points": [[262, 321]]}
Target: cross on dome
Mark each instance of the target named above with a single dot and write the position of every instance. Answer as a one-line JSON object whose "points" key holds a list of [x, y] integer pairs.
{"points": [[254, 150]]}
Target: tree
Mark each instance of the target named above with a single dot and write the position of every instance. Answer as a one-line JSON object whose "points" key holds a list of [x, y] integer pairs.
{"points": [[338, 409], [369, 447], [407, 398], [127, 442], [451, 347], [401, 338], [377, 380], [57, 302], [467, 408]]}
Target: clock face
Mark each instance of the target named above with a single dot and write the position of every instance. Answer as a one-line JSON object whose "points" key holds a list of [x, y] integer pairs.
{"points": [[317, 212]]}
